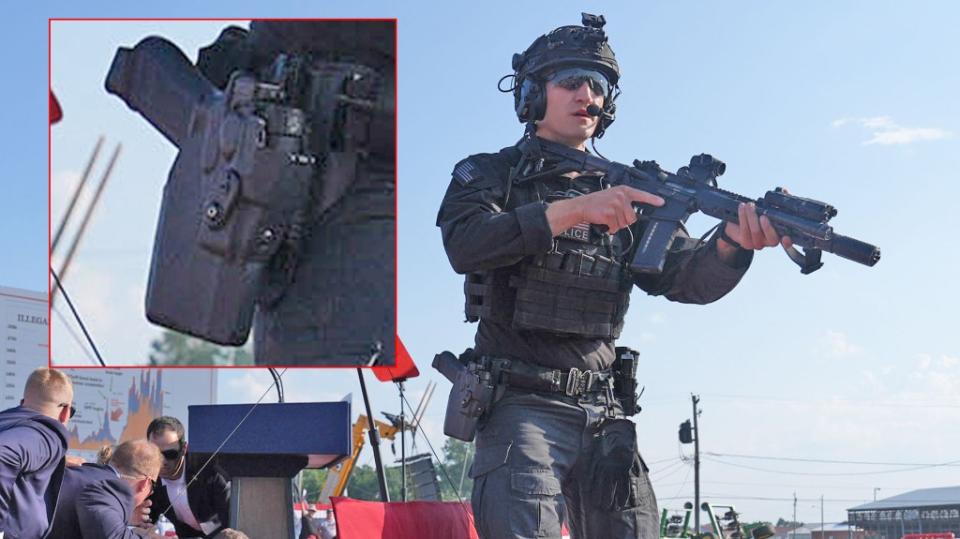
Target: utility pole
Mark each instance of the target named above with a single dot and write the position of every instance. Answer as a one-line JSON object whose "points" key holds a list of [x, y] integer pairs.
{"points": [[696, 463], [821, 517], [688, 435], [794, 531]]}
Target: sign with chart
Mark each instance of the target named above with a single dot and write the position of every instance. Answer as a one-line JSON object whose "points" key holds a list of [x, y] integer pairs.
{"points": [[116, 405], [113, 405]]}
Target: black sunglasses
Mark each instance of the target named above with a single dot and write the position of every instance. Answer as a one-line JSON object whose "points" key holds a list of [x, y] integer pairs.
{"points": [[173, 454], [573, 78], [73, 409]]}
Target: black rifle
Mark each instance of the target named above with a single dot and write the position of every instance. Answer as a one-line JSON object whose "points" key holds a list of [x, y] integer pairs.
{"points": [[694, 188]]}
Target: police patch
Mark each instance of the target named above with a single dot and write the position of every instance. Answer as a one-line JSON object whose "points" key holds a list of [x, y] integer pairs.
{"points": [[579, 232], [466, 172]]}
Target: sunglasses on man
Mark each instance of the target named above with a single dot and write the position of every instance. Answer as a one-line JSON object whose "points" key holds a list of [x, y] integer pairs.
{"points": [[73, 409], [153, 482], [173, 454], [573, 78]]}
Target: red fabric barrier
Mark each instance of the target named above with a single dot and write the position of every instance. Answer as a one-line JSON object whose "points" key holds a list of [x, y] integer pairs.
{"points": [[358, 519]]}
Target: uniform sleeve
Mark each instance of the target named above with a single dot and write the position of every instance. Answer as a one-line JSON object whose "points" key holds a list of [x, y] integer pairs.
{"points": [[101, 513], [26, 449], [694, 273], [477, 233]]}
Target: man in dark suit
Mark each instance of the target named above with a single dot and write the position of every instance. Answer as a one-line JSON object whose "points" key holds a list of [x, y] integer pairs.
{"points": [[33, 441], [98, 501], [195, 500]]}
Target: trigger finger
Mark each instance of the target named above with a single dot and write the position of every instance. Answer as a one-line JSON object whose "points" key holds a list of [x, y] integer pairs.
{"points": [[770, 235]]}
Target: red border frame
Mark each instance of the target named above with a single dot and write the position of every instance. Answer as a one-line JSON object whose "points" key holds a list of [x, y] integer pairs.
{"points": [[396, 160]]}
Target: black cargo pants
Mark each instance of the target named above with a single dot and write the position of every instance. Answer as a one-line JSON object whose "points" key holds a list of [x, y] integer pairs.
{"points": [[532, 472]]}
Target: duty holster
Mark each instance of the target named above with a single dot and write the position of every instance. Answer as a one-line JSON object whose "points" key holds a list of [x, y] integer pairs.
{"points": [[257, 162], [625, 379], [475, 389]]}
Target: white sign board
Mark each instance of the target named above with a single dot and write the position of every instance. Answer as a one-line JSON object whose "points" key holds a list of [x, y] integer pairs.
{"points": [[23, 340]]}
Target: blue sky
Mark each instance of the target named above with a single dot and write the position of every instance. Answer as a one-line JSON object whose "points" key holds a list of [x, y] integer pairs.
{"points": [[853, 103]]}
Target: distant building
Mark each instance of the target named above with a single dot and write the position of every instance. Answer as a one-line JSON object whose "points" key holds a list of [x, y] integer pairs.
{"points": [[926, 511], [831, 530]]}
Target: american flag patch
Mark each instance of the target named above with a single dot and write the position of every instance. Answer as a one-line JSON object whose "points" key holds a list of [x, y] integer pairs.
{"points": [[466, 172]]}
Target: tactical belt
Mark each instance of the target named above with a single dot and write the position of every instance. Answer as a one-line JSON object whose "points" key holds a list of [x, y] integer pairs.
{"points": [[573, 382]]}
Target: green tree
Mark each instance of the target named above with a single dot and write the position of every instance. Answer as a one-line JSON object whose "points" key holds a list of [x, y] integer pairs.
{"points": [[363, 484], [457, 458], [313, 483], [173, 348]]}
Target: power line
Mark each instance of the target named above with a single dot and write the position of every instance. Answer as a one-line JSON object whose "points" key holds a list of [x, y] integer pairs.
{"points": [[662, 472], [810, 487], [828, 461], [655, 462], [790, 499], [76, 338], [806, 500], [829, 474], [56, 278], [860, 403]]}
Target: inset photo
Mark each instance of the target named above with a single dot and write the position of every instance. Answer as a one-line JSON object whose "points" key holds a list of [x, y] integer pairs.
{"points": [[223, 192]]}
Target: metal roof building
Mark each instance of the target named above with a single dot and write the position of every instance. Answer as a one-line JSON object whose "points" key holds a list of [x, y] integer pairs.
{"points": [[930, 510]]}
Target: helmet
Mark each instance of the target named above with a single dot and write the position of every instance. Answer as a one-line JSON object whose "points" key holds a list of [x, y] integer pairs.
{"points": [[583, 46]]}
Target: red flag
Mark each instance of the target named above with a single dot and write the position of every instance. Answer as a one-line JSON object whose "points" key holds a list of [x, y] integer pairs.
{"points": [[403, 369], [56, 113]]}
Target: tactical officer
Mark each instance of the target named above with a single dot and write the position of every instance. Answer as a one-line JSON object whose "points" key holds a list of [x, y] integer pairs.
{"points": [[33, 441], [550, 287]]}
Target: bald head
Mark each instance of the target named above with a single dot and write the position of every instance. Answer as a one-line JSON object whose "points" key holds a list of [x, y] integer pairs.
{"points": [[49, 392], [137, 458], [138, 462]]}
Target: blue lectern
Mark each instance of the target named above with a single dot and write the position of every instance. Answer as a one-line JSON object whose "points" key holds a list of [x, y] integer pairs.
{"points": [[262, 447]]}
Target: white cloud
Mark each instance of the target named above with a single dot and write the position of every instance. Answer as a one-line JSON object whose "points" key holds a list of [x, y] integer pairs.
{"points": [[838, 346], [878, 122], [884, 131], [935, 380], [906, 135]]}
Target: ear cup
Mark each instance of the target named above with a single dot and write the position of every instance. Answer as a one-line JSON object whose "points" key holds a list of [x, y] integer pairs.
{"points": [[530, 101], [607, 118]]}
